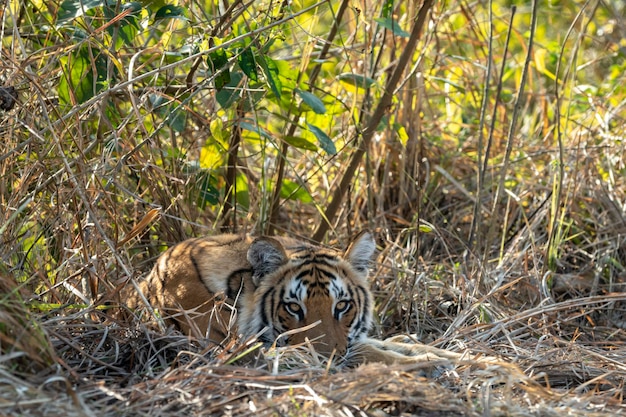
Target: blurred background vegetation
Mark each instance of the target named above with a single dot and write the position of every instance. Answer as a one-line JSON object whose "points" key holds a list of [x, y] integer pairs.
{"points": [[141, 123], [483, 141]]}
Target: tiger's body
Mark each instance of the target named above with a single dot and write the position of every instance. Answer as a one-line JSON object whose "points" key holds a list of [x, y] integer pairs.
{"points": [[271, 287]]}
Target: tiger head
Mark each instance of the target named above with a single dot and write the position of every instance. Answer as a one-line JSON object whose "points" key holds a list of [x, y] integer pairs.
{"points": [[303, 286]]}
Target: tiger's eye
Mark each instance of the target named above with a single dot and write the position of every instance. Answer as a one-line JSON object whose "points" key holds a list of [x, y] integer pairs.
{"points": [[342, 306], [293, 308]]}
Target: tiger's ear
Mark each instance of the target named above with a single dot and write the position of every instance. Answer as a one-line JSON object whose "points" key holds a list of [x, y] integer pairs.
{"points": [[360, 251], [265, 255]]}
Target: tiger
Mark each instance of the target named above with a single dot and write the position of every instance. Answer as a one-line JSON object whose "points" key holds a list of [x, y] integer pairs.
{"points": [[279, 290]]}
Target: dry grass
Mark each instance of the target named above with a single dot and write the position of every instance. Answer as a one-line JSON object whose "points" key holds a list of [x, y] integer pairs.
{"points": [[501, 223], [110, 372], [553, 362]]}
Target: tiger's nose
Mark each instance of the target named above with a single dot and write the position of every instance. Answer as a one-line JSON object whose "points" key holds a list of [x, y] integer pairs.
{"points": [[331, 341], [325, 341], [328, 348]]}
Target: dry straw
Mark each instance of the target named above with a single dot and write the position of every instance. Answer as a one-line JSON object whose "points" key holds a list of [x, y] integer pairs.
{"points": [[493, 175]]}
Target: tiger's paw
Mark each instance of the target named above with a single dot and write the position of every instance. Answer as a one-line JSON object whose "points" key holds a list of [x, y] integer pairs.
{"points": [[406, 350]]}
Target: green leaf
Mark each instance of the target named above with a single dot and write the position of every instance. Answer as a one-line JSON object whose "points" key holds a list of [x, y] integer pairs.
{"points": [[254, 128], [402, 133], [312, 101], [356, 80], [127, 33], [177, 118], [300, 143], [134, 6], [241, 191], [391, 25], [169, 11], [211, 155], [294, 191], [247, 63], [71, 9], [158, 103], [78, 34], [207, 191], [218, 61], [325, 141], [127, 27], [230, 93], [218, 132], [270, 71], [423, 228], [174, 114], [79, 83]]}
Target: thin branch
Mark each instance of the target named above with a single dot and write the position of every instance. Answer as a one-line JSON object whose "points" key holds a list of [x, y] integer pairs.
{"points": [[557, 194], [275, 206], [492, 125], [476, 226], [518, 105], [368, 133]]}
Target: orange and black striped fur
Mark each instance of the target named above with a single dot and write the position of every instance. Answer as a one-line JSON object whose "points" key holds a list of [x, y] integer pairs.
{"points": [[214, 286]]}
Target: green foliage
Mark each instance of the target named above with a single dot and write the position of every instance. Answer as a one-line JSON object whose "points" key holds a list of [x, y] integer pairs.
{"points": [[391, 25], [356, 80], [84, 75], [140, 123], [312, 101], [325, 141], [251, 118], [170, 11], [218, 65], [72, 9]]}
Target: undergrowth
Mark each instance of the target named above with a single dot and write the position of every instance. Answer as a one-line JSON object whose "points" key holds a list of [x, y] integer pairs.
{"points": [[482, 142]]}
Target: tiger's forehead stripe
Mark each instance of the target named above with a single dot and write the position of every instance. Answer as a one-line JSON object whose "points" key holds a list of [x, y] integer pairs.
{"points": [[328, 274], [296, 290], [322, 278], [300, 275], [325, 261], [306, 271], [309, 286], [337, 290]]}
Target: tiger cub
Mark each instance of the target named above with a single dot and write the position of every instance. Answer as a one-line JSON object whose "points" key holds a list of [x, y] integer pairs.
{"points": [[270, 287]]}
